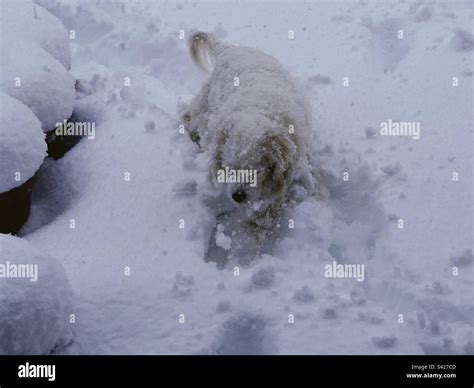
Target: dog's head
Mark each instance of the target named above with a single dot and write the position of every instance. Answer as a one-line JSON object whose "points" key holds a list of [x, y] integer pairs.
{"points": [[256, 177]]}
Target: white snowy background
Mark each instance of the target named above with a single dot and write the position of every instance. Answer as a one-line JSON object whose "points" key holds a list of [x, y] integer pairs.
{"points": [[120, 223]]}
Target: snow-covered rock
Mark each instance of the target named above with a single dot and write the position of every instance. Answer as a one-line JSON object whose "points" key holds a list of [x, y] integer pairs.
{"points": [[34, 309], [22, 144], [35, 59], [30, 74], [24, 20]]}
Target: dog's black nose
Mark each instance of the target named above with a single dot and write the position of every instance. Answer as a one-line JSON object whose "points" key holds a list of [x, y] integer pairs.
{"points": [[239, 196]]}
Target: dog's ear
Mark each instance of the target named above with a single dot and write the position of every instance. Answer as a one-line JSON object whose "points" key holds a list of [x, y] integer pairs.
{"points": [[277, 158], [202, 47]]}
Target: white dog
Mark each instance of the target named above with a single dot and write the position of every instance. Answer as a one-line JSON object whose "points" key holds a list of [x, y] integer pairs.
{"points": [[250, 117]]}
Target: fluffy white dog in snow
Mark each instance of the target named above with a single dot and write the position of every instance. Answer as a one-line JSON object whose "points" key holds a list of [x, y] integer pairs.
{"points": [[251, 119]]}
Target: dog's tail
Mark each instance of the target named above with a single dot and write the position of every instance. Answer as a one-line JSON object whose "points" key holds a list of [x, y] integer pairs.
{"points": [[203, 47]]}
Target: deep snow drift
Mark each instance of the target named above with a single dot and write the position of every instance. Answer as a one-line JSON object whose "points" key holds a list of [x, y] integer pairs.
{"points": [[126, 215]]}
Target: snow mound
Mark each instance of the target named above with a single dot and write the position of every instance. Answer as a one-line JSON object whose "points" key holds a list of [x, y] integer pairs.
{"points": [[34, 313], [22, 145], [91, 23], [42, 84], [24, 20]]}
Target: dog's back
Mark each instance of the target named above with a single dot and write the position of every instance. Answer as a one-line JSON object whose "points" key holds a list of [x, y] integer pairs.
{"points": [[247, 80]]}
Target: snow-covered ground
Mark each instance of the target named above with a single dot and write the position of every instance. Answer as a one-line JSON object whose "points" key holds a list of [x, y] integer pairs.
{"points": [[110, 209]]}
